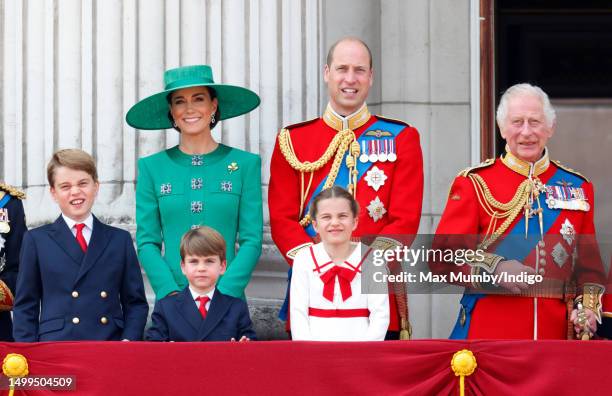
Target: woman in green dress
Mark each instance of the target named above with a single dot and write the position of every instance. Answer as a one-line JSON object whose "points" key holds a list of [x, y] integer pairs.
{"points": [[198, 182]]}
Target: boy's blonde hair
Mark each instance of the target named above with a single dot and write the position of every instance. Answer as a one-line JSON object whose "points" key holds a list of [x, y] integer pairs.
{"points": [[203, 241], [73, 159]]}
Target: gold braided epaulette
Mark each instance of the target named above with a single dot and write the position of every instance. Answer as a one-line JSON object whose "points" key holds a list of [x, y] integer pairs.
{"points": [[15, 192], [392, 120], [572, 171], [483, 164]]}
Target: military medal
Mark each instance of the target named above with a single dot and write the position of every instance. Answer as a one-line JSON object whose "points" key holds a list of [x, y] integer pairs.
{"points": [[382, 157], [376, 209], [375, 178], [363, 157], [564, 196], [372, 157], [4, 221], [392, 157], [568, 231], [550, 197]]}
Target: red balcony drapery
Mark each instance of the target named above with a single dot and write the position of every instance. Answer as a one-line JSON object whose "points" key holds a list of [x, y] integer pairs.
{"points": [[419, 367]]}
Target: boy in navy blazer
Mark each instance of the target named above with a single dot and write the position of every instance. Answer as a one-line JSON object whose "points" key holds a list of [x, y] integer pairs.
{"points": [[201, 312], [79, 279]]}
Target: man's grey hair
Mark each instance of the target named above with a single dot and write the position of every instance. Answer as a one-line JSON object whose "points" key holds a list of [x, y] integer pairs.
{"points": [[525, 89]]}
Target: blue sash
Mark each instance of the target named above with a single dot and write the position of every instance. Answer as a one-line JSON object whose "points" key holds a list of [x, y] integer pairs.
{"points": [[4, 200], [342, 179], [514, 246]]}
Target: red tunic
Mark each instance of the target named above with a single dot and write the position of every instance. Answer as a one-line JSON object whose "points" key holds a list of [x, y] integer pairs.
{"points": [[524, 317], [401, 194]]}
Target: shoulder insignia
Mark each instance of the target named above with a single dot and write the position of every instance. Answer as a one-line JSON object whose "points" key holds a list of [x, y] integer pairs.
{"points": [[572, 171], [299, 124], [12, 191], [392, 120], [484, 164]]}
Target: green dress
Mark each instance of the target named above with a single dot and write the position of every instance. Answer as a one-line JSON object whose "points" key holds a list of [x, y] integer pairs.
{"points": [[176, 192]]}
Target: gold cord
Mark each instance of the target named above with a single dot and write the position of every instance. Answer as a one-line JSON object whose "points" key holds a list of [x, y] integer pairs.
{"points": [[499, 210], [527, 193], [343, 140]]}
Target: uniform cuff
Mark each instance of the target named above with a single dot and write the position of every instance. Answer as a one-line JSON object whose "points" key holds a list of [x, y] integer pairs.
{"points": [[293, 252], [488, 263], [384, 243], [591, 298]]}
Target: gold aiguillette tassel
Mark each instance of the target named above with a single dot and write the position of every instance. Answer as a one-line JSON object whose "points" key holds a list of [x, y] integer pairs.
{"points": [[527, 209]]}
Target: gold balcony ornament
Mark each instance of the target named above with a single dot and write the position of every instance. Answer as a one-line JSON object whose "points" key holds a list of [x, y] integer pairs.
{"points": [[14, 365], [463, 364]]}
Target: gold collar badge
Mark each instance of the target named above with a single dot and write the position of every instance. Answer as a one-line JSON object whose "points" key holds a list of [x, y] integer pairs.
{"points": [[525, 168], [352, 122]]}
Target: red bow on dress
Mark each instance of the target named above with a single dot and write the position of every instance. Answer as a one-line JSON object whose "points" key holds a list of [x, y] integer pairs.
{"points": [[345, 277]]}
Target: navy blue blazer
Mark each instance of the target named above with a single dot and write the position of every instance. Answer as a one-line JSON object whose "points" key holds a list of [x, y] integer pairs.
{"points": [[177, 318], [98, 295]]}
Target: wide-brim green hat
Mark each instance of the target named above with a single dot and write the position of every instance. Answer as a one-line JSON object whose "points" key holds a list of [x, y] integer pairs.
{"points": [[152, 112]]}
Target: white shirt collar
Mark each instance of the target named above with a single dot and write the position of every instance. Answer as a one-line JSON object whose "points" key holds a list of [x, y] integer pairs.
{"points": [[354, 259], [71, 223], [195, 294]]}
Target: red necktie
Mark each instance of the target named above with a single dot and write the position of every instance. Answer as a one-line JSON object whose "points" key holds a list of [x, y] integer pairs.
{"points": [[345, 277], [203, 300], [79, 236]]}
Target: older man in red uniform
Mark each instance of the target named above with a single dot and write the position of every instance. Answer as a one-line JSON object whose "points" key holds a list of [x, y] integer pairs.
{"points": [[377, 159], [533, 217]]}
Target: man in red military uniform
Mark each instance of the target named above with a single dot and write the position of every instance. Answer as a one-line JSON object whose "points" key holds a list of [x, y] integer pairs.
{"points": [[534, 217], [377, 159]]}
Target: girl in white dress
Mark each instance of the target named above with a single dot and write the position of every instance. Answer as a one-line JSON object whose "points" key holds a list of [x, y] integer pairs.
{"points": [[326, 303]]}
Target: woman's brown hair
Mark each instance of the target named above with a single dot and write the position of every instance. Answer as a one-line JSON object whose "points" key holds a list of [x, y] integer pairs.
{"points": [[334, 192]]}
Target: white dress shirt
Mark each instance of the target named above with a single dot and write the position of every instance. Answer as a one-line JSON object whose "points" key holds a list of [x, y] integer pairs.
{"points": [[87, 230], [195, 295]]}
